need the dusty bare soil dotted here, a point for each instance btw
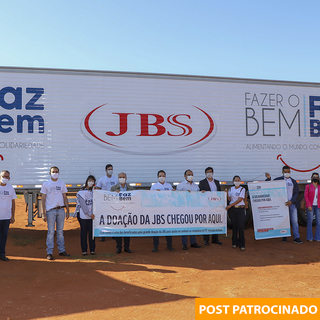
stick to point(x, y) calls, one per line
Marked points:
point(145, 285)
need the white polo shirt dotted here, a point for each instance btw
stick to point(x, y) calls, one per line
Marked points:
point(105, 183)
point(186, 186)
point(7, 194)
point(162, 187)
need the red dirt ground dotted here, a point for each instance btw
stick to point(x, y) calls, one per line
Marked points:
point(145, 285)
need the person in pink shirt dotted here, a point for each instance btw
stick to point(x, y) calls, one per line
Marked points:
point(311, 196)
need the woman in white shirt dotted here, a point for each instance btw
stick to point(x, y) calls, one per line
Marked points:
point(85, 215)
point(236, 207)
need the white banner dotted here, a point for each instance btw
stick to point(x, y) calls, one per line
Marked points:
point(270, 214)
point(153, 213)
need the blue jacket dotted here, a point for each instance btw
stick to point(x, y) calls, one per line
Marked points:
point(295, 192)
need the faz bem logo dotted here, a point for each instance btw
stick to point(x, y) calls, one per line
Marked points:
point(134, 130)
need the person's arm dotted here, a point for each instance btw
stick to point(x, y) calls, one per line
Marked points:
point(306, 197)
point(66, 203)
point(43, 203)
point(295, 194)
point(13, 211)
point(234, 203)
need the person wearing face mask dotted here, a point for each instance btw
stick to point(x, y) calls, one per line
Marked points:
point(162, 185)
point(188, 185)
point(7, 210)
point(120, 187)
point(106, 182)
point(292, 203)
point(312, 198)
point(85, 215)
point(210, 184)
point(236, 208)
point(54, 200)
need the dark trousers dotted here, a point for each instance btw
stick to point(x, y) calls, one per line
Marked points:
point(237, 216)
point(4, 229)
point(156, 241)
point(215, 238)
point(86, 231)
point(126, 241)
point(184, 239)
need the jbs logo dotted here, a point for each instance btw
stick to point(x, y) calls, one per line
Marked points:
point(214, 199)
point(11, 99)
point(148, 132)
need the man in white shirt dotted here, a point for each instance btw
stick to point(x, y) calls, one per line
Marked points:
point(54, 200)
point(120, 187)
point(7, 210)
point(188, 185)
point(107, 182)
point(162, 185)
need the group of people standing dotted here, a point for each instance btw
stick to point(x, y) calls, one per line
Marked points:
point(236, 196)
point(55, 208)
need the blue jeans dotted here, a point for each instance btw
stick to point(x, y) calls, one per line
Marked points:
point(55, 217)
point(293, 211)
point(4, 229)
point(316, 211)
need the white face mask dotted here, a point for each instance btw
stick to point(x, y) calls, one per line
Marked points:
point(55, 175)
point(287, 175)
point(122, 180)
point(190, 178)
point(110, 172)
point(162, 179)
point(209, 175)
point(4, 180)
point(237, 183)
point(90, 184)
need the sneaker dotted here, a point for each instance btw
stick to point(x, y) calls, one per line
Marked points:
point(118, 250)
point(4, 258)
point(242, 248)
point(50, 257)
point(84, 253)
point(195, 245)
point(155, 249)
point(310, 240)
point(206, 243)
point(92, 253)
point(127, 250)
point(170, 248)
point(234, 247)
point(297, 240)
point(184, 247)
point(64, 254)
point(284, 240)
point(102, 239)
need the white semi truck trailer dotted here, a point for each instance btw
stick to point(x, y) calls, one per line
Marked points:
point(81, 120)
